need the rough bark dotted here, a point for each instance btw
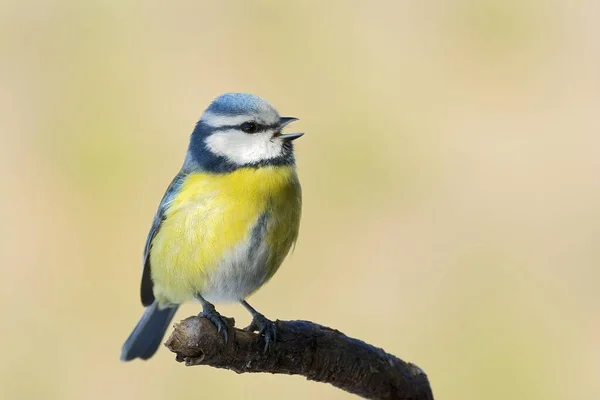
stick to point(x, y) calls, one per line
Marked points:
point(302, 348)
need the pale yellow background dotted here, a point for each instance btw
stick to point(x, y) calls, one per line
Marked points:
point(451, 174)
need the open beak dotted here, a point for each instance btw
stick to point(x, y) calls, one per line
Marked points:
point(283, 122)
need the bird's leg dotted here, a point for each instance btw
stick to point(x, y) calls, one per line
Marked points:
point(209, 312)
point(261, 324)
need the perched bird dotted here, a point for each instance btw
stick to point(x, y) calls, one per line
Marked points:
point(226, 222)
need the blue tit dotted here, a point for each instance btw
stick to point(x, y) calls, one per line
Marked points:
point(226, 222)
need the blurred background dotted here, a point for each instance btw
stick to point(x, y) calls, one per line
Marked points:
point(450, 170)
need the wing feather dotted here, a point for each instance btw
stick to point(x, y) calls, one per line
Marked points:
point(147, 285)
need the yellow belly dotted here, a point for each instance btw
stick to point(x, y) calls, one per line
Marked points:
point(202, 242)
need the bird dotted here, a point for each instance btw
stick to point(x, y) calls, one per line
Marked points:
point(225, 223)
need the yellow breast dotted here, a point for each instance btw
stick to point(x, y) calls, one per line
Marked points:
point(210, 217)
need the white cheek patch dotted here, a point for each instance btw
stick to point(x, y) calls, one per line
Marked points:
point(242, 148)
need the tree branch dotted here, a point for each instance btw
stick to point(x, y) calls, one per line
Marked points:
point(302, 348)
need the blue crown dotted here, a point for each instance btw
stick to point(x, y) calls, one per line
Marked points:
point(239, 104)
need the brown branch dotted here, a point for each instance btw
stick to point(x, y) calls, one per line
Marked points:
point(302, 348)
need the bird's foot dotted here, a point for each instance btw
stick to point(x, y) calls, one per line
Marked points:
point(217, 319)
point(265, 327)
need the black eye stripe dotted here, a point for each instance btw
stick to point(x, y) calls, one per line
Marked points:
point(262, 127)
point(259, 127)
point(249, 127)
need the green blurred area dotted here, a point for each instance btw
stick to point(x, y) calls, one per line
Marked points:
point(449, 167)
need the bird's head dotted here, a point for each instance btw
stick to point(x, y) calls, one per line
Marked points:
point(239, 130)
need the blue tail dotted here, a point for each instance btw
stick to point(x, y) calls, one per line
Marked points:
point(148, 333)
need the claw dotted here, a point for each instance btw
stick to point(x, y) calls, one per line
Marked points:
point(264, 327)
point(219, 322)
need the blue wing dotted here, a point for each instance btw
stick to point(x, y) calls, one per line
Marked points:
point(146, 289)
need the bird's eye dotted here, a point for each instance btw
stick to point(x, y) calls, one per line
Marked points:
point(249, 127)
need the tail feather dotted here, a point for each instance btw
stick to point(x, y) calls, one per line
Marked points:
point(148, 333)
